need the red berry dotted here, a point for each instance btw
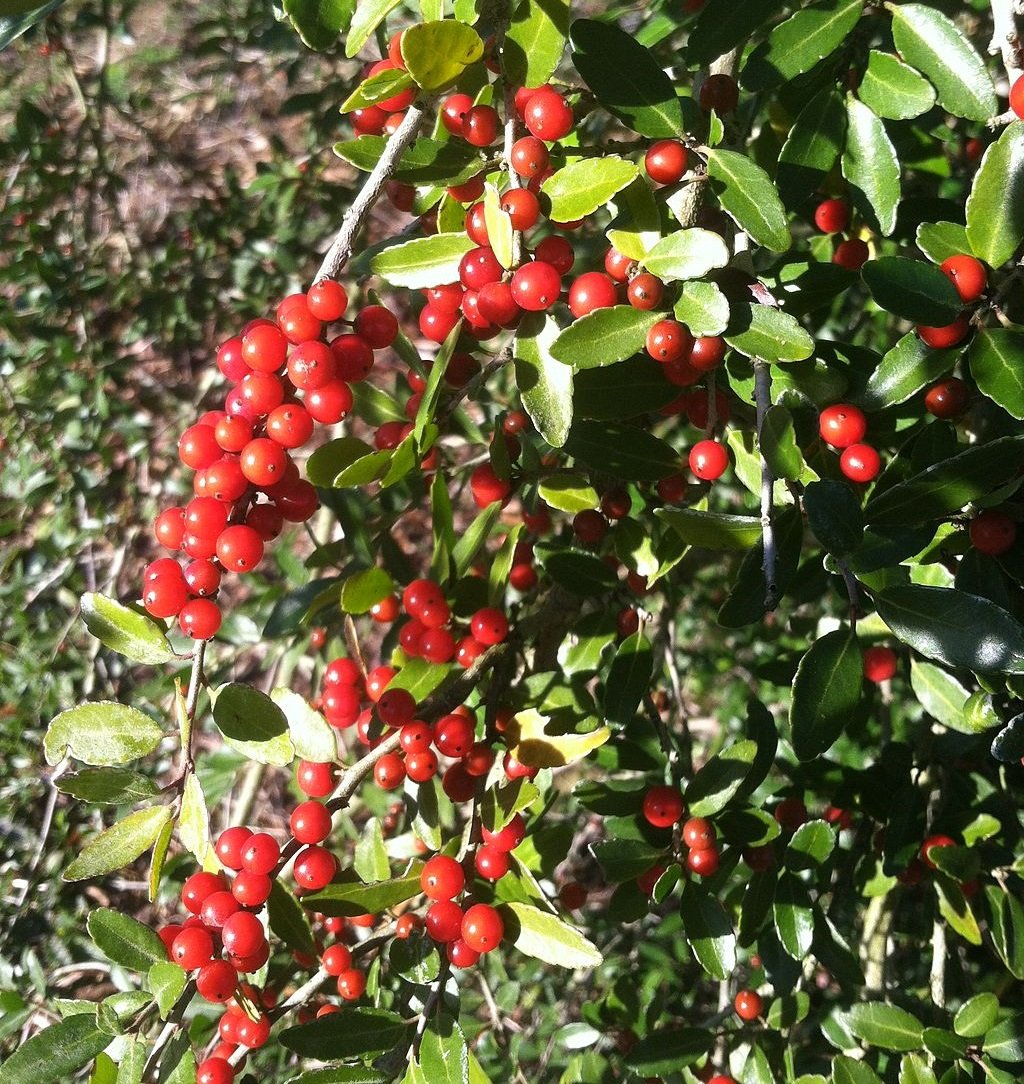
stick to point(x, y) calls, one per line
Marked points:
point(1017, 96)
point(851, 254)
point(529, 157)
point(192, 948)
point(663, 806)
point(251, 889)
point(879, 664)
point(842, 425)
point(480, 125)
point(934, 841)
point(591, 291)
point(708, 460)
point(406, 925)
point(556, 251)
point(992, 532)
point(314, 868)
point(336, 959)
point(547, 115)
point(454, 110)
point(420, 767)
point(703, 861)
point(198, 447)
point(860, 463)
point(352, 984)
point(665, 161)
point(941, 338)
point(460, 955)
point(260, 853)
point(216, 981)
point(669, 341)
point(215, 1070)
point(489, 626)
point(218, 907)
point(253, 1033)
point(699, 833)
point(791, 813)
point(199, 618)
point(572, 896)
point(522, 206)
point(265, 348)
point(166, 596)
point(947, 398)
point(487, 487)
point(353, 357)
point(169, 527)
point(442, 878)
point(230, 844)
point(491, 863)
point(589, 526)
point(720, 93)
point(968, 276)
point(478, 267)
point(310, 822)
point(748, 1005)
point(617, 267)
point(707, 353)
point(645, 292)
point(396, 707)
point(509, 837)
point(377, 326)
point(389, 772)
point(482, 928)
point(832, 216)
point(316, 779)
point(444, 921)
point(239, 548)
point(536, 286)
point(327, 300)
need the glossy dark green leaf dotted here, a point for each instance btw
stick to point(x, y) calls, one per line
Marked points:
point(812, 146)
point(124, 630)
point(940, 694)
point(568, 493)
point(623, 451)
point(931, 42)
point(708, 931)
point(721, 777)
point(345, 1035)
point(288, 919)
point(996, 356)
point(547, 937)
point(800, 42)
point(949, 485)
point(545, 384)
point(794, 916)
point(834, 515)
point(953, 627)
point(624, 859)
point(940, 240)
point(370, 14)
point(1006, 914)
point(893, 89)
point(108, 786)
point(702, 307)
point(759, 331)
point(330, 459)
point(686, 254)
point(253, 724)
point(1008, 744)
point(632, 387)
point(712, 530)
point(362, 590)
point(826, 693)
point(629, 678)
point(904, 370)
point(779, 445)
point(423, 261)
point(626, 79)
point(724, 24)
point(535, 41)
point(886, 1026)
point(352, 897)
point(55, 1054)
point(747, 193)
point(811, 845)
point(848, 1071)
point(787, 1011)
point(320, 23)
point(437, 51)
point(665, 1051)
point(995, 206)
point(125, 940)
point(425, 162)
point(577, 571)
point(871, 166)
point(1005, 1042)
point(913, 289)
point(914, 1069)
point(603, 337)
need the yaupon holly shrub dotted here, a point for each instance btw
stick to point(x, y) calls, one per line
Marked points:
point(664, 588)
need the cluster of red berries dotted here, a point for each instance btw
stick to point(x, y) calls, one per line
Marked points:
point(285, 378)
point(843, 426)
point(833, 216)
point(970, 278)
point(663, 807)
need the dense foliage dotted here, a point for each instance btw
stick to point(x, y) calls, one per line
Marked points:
point(639, 696)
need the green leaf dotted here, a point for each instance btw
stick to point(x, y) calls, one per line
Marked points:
point(546, 937)
point(474, 538)
point(357, 1074)
point(500, 804)
point(426, 162)
point(626, 79)
point(378, 88)
point(834, 515)
point(535, 41)
point(624, 859)
point(893, 90)
point(940, 694)
point(17, 16)
point(545, 384)
point(55, 1054)
point(915, 1070)
point(746, 192)
point(913, 289)
point(355, 898)
point(719, 779)
point(288, 919)
point(995, 359)
point(847, 1071)
point(826, 692)
point(125, 940)
point(580, 188)
point(350, 1034)
point(947, 486)
point(811, 844)
point(167, 983)
point(708, 931)
point(420, 678)
point(759, 331)
point(884, 1025)
point(329, 460)
point(961, 630)
point(371, 857)
point(568, 493)
point(103, 733)
point(995, 206)
point(1007, 928)
point(320, 23)
point(904, 370)
point(712, 530)
point(124, 630)
point(443, 1055)
point(724, 24)
point(423, 261)
point(1005, 1042)
point(812, 147)
point(798, 44)
point(623, 451)
point(194, 819)
point(793, 916)
point(702, 307)
point(787, 1011)
point(119, 845)
point(498, 224)
point(577, 571)
point(363, 590)
point(312, 736)
point(629, 677)
point(253, 724)
point(934, 45)
point(108, 786)
point(625, 390)
point(437, 52)
point(976, 1015)
point(686, 254)
point(940, 240)
point(603, 337)
point(368, 16)
point(871, 166)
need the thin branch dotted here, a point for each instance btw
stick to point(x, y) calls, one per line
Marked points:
point(1006, 38)
point(763, 400)
point(937, 978)
point(511, 119)
point(169, 1029)
point(341, 249)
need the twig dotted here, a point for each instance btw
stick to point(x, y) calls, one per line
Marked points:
point(169, 1029)
point(937, 979)
point(341, 248)
point(762, 399)
point(436, 990)
point(1006, 38)
point(513, 177)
